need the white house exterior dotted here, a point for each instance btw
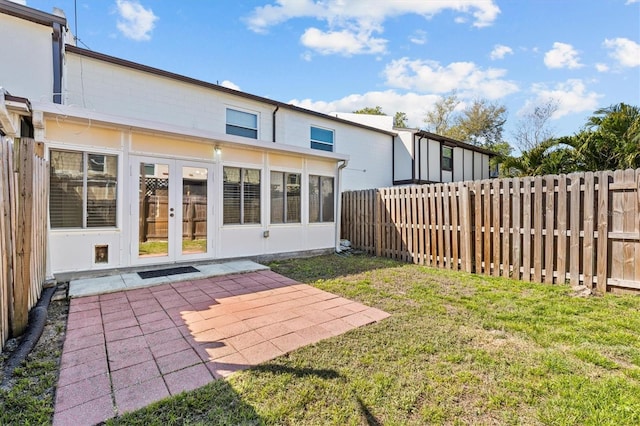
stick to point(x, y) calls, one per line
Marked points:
point(420, 157)
point(150, 167)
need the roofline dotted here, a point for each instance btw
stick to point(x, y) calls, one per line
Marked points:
point(30, 14)
point(162, 73)
point(206, 136)
point(454, 142)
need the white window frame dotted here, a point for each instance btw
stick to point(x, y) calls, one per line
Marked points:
point(85, 158)
point(320, 220)
point(321, 142)
point(222, 192)
point(242, 111)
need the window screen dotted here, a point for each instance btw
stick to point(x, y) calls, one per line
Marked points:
point(447, 158)
point(83, 190)
point(285, 197)
point(321, 139)
point(321, 199)
point(241, 123)
point(241, 196)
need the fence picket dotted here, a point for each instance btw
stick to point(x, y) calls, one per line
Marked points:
point(549, 229)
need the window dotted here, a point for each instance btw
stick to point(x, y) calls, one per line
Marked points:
point(241, 123)
point(285, 197)
point(320, 199)
point(83, 190)
point(447, 158)
point(241, 196)
point(321, 139)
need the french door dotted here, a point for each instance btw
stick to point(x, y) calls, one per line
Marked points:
point(171, 210)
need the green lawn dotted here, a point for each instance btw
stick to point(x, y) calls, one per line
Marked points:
point(458, 349)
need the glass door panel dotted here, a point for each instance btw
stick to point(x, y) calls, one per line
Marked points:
point(194, 210)
point(154, 210)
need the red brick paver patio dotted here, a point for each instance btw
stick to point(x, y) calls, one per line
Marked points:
point(128, 349)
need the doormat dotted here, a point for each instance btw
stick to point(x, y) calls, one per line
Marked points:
point(166, 272)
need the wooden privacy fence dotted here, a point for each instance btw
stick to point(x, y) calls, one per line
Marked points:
point(24, 177)
point(581, 228)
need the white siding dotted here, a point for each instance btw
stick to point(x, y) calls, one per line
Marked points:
point(403, 156)
point(458, 163)
point(477, 166)
point(468, 165)
point(27, 61)
point(433, 161)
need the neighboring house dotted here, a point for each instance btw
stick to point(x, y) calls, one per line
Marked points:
point(421, 157)
point(151, 167)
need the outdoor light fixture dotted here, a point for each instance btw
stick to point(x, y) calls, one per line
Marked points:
point(217, 153)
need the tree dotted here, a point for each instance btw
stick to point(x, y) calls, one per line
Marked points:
point(481, 123)
point(610, 139)
point(546, 158)
point(533, 128)
point(439, 119)
point(400, 119)
point(377, 110)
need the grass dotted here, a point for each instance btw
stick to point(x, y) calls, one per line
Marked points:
point(458, 349)
point(162, 247)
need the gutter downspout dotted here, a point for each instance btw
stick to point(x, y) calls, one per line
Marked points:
point(274, 122)
point(339, 204)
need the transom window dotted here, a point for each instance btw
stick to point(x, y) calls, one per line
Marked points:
point(321, 139)
point(447, 158)
point(321, 199)
point(82, 189)
point(285, 197)
point(242, 123)
point(241, 196)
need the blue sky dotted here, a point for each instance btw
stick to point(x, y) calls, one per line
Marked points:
point(403, 55)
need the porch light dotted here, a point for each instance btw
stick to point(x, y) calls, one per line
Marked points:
point(217, 153)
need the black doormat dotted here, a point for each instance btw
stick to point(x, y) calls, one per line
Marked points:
point(166, 272)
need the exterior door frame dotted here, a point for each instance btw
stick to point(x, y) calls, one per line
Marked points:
point(175, 222)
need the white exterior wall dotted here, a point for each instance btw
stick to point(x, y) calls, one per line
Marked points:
point(468, 165)
point(113, 89)
point(27, 68)
point(458, 164)
point(403, 156)
point(72, 250)
point(433, 165)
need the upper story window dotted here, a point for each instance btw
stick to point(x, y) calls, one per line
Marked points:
point(82, 189)
point(447, 158)
point(322, 139)
point(242, 123)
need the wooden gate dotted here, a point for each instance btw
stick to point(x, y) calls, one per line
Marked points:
point(623, 229)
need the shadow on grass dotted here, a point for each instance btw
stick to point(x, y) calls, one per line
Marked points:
point(298, 372)
point(309, 270)
point(369, 417)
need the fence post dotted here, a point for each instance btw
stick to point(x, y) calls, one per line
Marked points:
point(603, 229)
point(466, 230)
point(22, 280)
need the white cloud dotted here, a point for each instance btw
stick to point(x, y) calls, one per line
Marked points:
point(135, 21)
point(632, 1)
point(412, 104)
point(418, 37)
point(342, 42)
point(625, 51)
point(229, 85)
point(571, 96)
point(22, 2)
point(602, 67)
point(499, 51)
point(358, 20)
point(562, 55)
point(466, 78)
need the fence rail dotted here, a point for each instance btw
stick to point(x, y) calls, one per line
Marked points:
point(24, 177)
point(581, 228)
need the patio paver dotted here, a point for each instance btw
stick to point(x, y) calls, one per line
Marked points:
point(127, 349)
